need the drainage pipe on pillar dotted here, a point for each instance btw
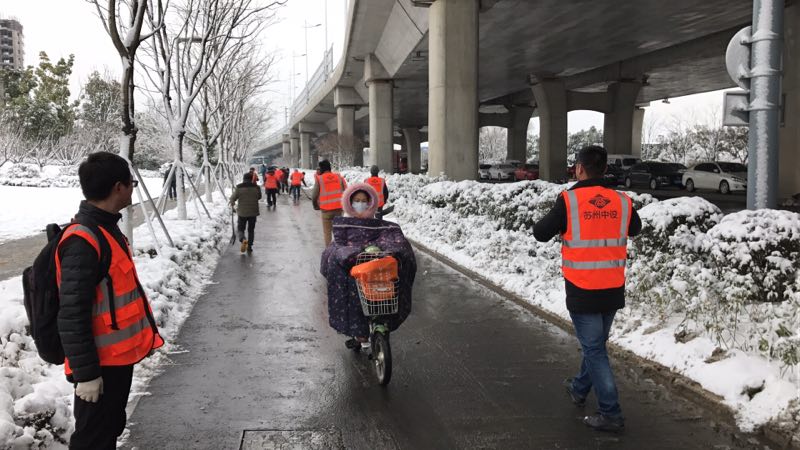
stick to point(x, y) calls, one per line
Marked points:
point(765, 91)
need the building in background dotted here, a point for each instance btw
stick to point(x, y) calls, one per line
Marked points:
point(12, 44)
point(12, 49)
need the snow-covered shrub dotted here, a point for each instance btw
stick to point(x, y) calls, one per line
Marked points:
point(23, 170)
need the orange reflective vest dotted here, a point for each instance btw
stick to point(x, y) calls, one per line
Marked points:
point(297, 179)
point(331, 187)
point(271, 182)
point(279, 174)
point(130, 335)
point(377, 183)
point(594, 248)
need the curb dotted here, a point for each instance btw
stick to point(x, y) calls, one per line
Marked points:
point(683, 386)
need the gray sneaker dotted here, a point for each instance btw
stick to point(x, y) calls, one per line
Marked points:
point(576, 399)
point(604, 423)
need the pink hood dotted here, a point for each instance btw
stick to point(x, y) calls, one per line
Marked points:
point(373, 200)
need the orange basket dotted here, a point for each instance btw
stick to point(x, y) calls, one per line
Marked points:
point(377, 280)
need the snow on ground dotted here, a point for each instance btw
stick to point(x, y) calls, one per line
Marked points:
point(715, 298)
point(35, 398)
point(30, 199)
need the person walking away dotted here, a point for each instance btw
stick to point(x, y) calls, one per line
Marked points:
point(262, 170)
point(285, 182)
point(327, 196)
point(271, 186)
point(103, 336)
point(253, 175)
point(297, 179)
point(279, 176)
point(247, 194)
point(594, 223)
point(379, 184)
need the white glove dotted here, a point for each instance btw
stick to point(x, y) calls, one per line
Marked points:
point(90, 391)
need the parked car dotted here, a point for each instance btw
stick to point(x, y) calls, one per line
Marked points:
point(483, 171)
point(614, 176)
point(624, 162)
point(655, 175)
point(529, 171)
point(503, 171)
point(725, 177)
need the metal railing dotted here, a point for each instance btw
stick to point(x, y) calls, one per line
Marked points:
point(316, 81)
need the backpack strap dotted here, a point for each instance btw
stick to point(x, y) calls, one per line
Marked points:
point(96, 239)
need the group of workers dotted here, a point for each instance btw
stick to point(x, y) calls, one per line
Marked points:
point(594, 222)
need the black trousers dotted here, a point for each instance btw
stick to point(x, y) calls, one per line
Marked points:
point(250, 222)
point(97, 425)
point(272, 197)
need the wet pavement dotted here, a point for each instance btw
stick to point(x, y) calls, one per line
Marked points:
point(260, 368)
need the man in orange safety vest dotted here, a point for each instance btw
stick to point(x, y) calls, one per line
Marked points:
point(594, 223)
point(327, 196)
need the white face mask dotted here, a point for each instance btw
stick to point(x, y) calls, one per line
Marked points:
point(360, 207)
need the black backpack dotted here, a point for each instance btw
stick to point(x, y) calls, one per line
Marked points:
point(41, 292)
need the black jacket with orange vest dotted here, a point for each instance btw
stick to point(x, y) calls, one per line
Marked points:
point(79, 270)
point(583, 300)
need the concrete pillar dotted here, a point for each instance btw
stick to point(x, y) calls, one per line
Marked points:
point(453, 89)
point(287, 150)
point(636, 132)
point(618, 125)
point(305, 150)
point(345, 123)
point(551, 103)
point(294, 145)
point(789, 156)
point(412, 138)
point(517, 133)
point(381, 125)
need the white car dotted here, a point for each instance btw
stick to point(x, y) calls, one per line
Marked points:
point(504, 171)
point(483, 171)
point(725, 177)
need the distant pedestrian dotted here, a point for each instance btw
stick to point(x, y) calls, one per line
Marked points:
point(279, 174)
point(285, 181)
point(262, 169)
point(271, 186)
point(172, 192)
point(103, 336)
point(253, 176)
point(379, 184)
point(297, 179)
point(594, 223)
point(327, 196)
point(247, 194)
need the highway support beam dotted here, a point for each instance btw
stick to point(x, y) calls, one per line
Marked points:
point(381, 114)
point(517, 132)
point(453, 89)
point(286, 149)
point(346, 100)
point(412, 141)
point(551, 103)
point(305, 150)
point(294, 145)
point(620, 123)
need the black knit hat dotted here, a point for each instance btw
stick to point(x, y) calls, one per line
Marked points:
point(324, 166)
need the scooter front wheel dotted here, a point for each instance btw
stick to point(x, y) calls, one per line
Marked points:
point(382, 357)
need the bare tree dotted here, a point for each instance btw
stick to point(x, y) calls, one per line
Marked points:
point(124, 22)
point(12, 143)
point(492, 144)
point(339, 149)
point(186, 51)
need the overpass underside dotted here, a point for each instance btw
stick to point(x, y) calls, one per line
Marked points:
point(447, 67)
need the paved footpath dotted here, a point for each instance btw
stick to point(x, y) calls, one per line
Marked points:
point(262, 369)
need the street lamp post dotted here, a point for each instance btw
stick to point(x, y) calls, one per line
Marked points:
point(306, 26)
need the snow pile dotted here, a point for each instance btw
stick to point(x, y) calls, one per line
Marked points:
point(716, 298)
point(30, 175)
point(35, 398)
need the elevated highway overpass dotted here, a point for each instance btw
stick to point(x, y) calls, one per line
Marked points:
point(438, 70)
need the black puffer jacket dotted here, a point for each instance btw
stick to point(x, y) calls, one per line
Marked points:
point(80, 269)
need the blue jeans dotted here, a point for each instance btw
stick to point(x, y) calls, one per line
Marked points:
point(592, 332)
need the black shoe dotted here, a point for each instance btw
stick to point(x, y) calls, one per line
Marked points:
point(352, 344)
point(576, 399)
point(249, 249)
point(604, 423)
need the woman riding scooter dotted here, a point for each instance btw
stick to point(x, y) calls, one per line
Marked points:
point(352, 234)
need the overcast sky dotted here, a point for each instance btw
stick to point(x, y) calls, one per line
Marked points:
point(63, 27)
